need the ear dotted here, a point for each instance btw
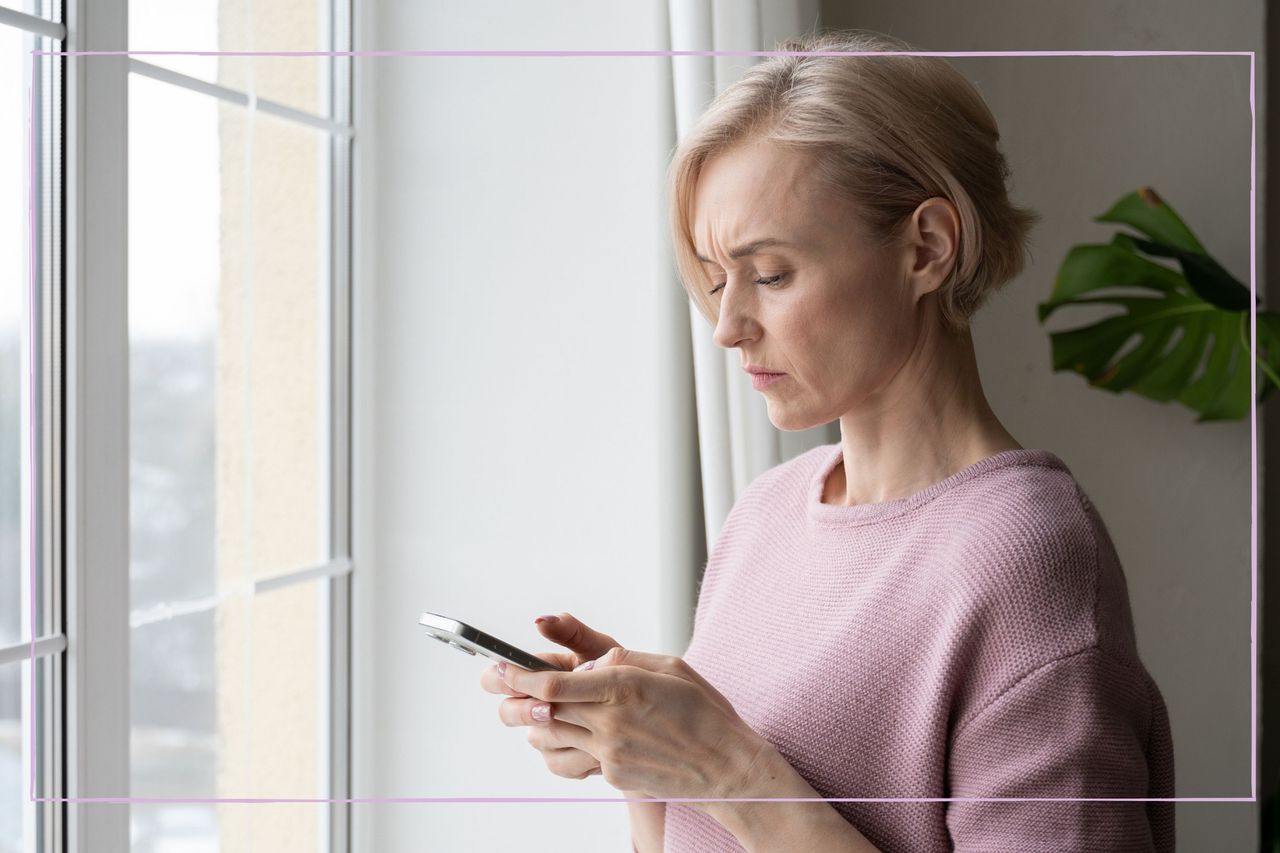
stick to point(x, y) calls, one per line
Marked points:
point(934, 239)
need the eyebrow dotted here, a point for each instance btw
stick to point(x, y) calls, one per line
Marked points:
point(752, 247)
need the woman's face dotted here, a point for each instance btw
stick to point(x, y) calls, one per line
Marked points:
point(840, 317)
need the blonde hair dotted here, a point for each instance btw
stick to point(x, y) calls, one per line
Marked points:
point(888, 132)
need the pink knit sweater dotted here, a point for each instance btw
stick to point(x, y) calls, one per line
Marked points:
point(971, 640)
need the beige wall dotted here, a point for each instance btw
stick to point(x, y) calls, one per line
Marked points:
point(268, 436)
point(1080, 132)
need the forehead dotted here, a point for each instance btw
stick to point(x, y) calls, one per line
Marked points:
point(757, 190)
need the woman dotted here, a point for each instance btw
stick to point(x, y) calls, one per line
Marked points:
point(924, 610)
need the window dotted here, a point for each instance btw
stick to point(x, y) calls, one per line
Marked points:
point(191, 424)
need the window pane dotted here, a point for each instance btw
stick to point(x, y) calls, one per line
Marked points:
point(15, 249)
point(165, 827)
point(18, 829)
point(270, 712)
point(228, 345)
point(229, 480)
point(241, 25)
point(173, 688)
point(175, 271)
point(273, 436)
point(13, 773)
point(173, 735)
point(229, 703)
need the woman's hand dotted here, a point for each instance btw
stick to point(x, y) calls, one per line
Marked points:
point(653, 724)
point(553, 738)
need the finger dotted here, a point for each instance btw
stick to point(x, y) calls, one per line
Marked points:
point(491, 677)
point(522, 711)
point(518, 711)
point(560, 735)
point(491, 682)
point(566, 630)
point(585, 715)
point(582, 686)
point(564, 660)
point(571, 763)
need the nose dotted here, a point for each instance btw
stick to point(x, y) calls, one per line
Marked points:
point(733, 322)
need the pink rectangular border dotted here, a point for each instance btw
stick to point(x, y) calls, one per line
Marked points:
point(1253, 421)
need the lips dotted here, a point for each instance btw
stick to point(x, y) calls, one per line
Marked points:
point(760, 381)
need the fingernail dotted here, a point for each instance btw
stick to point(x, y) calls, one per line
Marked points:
point(541, 712)
point(547, 619)
point(588, 665)
point(502, 669)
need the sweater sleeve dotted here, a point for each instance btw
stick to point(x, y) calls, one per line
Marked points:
point(1079, 726)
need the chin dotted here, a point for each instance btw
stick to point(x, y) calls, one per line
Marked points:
point(792, 423)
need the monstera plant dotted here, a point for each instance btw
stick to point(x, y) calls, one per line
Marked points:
point(1181, 318)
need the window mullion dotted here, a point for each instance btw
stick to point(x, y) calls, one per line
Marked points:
point(340, 399)
point(40, 648)
point(47, 420)
point(32, 23)
point(96, 428)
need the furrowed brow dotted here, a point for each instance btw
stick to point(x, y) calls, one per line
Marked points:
point(753, 247)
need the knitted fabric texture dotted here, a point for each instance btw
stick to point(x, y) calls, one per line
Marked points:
point(971, 640)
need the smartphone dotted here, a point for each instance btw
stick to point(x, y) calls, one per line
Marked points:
point(471, 640)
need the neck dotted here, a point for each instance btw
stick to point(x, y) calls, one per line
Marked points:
point(929, 422)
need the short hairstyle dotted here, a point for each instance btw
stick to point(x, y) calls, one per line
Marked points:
point(888, 132)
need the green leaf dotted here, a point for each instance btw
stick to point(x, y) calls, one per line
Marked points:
point(1207, 277)
point(1159, 367)
point(1222, 392)
point(1180, 337)
point(1144, 210)
point(1093, 267)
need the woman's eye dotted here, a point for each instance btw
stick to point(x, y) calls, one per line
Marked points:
point(767, 282)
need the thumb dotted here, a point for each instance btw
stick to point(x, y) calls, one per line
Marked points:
point(566, 630)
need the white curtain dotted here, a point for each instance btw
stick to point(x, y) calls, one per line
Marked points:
point(735, 439)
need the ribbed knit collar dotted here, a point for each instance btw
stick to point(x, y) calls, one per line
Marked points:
point(846, 516)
